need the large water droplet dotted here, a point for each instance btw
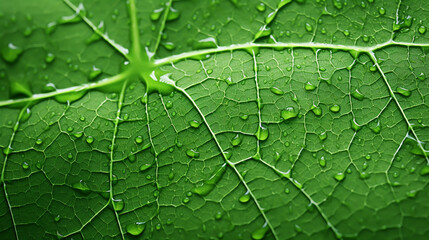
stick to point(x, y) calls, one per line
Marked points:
point(262, 133)
point(136, 228)
point(11, 53)
point(236, 140)
point(289, 113)
point(118, 204)
point(403, 91)
point(209, 185)
point(192, 153)
point(260, 232)
point(245, 198)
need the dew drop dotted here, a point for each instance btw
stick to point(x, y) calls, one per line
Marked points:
point(357, 95)
point(139, 139)
point(194, 123)
point(322, 161)
point(192, 153)
point(118, 204)
point(89, 139)
point(308, 27)
point(11, 53)
point(260, 232)
point(39, 141)
point(403, 91)
point(354, 125)
point(382, 11)
point(156, 14)
point(173, 14)
point(145, 166)
point(260, 7)
point(334, 108)
point(289, 112)
point(94, 73)
point(57, 218)
point(425, 170)
point(276, 91)
point(339, 176)
point(50, 57)
point(309, 86)
point(316, 110)
point(245, 198)
point(169, 46)
point(25, 165)
point(82, 187)
point(262, 133)
point(206, 43)
point(136, 228)
point(236, 140)
point(422, 29)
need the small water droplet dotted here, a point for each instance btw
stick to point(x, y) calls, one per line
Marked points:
point(382, 11)
point(322, 161)
point(145, 166)
point(94, 73)
point(422, 29)
point(236, 140)
point(316, 110)
point(308, 27)
point(82, 187)
point(276, 91)
point(39, 141)
point(260, 233)
point(156, 14)
point(245, 198)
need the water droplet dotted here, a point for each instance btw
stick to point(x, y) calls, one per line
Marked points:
point(425, 170)
point(334, 108)
point(206, 43)
point(308, 27)
point(245, 198)
point(69, 155)
point(94, 73)
point(50, 57)
point(194, 123)
point(355, 126)
point(192, 153)
point(218, 215)
point(173, 14)
point(11, 53)
point(276, 91)
point(357, 95)
point(377, 128)
point(262, 133)
point(338, 4)
point(316, 110)
point(295, 182)
point(89, 139)
point(382, 11)
point(309, 86)
point(169, 45)
point(82, 187)
point(322, 161)
point(298, 228)
point(57, 218)
point(373, 68)
point(236, 140)
point(136, 228)
point(209, 185)
point(25, 165)
point(339, 176)
point(139, 139)
point(422, 29)
point(263, 32)
point(185, 200)
point(346, 32)
point(403, 91)
point(323, 136)
point(132, 158)
point(118, 204)
point(287, 191)
point(270, 17)
point(156, 14)
point(260, 7)
point(145, 166)
point(289, 113)
point(276, 156)
point(244, 117)
point(39, 141)
point(260, 232)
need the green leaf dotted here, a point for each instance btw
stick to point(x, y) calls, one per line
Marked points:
point(274, 119)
